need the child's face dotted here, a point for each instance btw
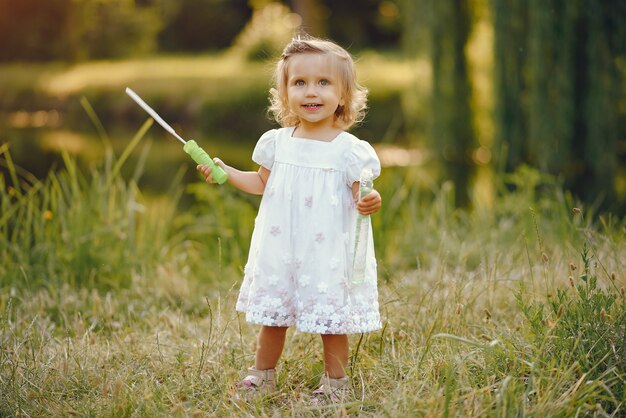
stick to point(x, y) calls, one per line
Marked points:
point(313, 89)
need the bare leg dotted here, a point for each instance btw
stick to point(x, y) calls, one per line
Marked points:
point(270, 346)
point(335, 355)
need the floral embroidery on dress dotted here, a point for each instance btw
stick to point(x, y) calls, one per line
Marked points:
point(284, 294)
point(333, 263)
point(333, 299)
point(272, 280)
point(275, 303)
point(297, 272)
point(322, 287)
point(304, 280)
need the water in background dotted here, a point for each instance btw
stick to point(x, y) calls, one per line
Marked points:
point(36, 141)
point(38, 150)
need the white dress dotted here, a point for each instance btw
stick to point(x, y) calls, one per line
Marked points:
point(299, 268)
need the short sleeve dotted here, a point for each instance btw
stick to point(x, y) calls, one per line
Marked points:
point(362, 155)
point(265, 149)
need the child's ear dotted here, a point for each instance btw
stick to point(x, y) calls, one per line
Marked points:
point(342, 101)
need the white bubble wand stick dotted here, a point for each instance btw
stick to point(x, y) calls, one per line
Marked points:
point(359, 262)
point(199, 155)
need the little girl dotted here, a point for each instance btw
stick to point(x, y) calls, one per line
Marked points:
point(299, 270)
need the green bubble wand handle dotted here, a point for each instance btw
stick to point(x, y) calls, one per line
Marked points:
point(199, 155)
point(359, 262)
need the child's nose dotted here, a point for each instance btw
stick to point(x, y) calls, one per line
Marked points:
point(311, 90)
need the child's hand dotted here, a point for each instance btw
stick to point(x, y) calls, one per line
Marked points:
point(206, 170)
point(370, 204)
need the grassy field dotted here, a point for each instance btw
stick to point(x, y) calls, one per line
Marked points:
point(115, 304)
point(202, 96)
point(182, 72)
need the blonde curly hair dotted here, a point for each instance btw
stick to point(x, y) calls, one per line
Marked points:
point(354, 95)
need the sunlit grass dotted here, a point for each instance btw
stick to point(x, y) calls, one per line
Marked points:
point(181, 71)
point(93, 322)
point(217, 73)
point(454, 342)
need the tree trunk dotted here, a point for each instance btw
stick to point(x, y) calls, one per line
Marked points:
point(313, 14)
point(453, 133)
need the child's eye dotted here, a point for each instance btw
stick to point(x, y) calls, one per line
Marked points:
point(299, 83)
point(324, 82)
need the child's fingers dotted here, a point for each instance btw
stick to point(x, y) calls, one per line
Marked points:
point(372, 198)
point(206, 172)
point(206, 169)
point(367, 205)
point(370, 204)
point(366, 210)
point(219, 162)
point(369, 197)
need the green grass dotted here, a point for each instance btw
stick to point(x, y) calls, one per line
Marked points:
point(115, 304)
point(205, 97)
point(216, 75)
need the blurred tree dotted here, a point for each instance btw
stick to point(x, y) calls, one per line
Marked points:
point(415, 27)
point(42, 30)
point(453, 136)
point(602, 101)
point(510, 23)
point(35, 30)
point(560, 91)
point(197, 25)
point(314, 16)
point(203, 25)
point(551, 41)
point(371, 24)
point(118, 28)
point(266, 34)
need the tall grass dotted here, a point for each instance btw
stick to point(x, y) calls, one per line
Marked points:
point(112, 304)
point(83, 230)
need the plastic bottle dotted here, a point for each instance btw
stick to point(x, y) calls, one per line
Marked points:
point(366, 185)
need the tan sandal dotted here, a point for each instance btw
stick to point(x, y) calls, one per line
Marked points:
point(257, 383)
point(334, 390)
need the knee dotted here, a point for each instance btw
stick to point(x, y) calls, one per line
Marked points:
point(334, 339)
point(274, 331)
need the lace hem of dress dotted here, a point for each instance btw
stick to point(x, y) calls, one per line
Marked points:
point(344, 321)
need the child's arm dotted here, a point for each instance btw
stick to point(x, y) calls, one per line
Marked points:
point(247, 181)
point(369, 204)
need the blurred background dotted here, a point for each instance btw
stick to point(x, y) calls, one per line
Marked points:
point(464, 91)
